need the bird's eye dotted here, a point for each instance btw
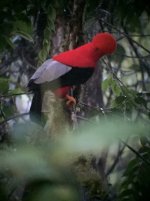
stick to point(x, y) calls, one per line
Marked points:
point(97, 49)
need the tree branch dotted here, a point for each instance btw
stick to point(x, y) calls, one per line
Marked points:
point(126, 35)
point(13, 117)
point(136, 153)
point(120, 152)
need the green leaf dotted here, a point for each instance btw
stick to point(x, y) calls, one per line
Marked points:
point(132, 168)
point(4, 85)
point(115, 88)
point(51, 13)
point(47, 34)
point(42, 55)
point(23, 29)
point(8, 111)
point(106, 83)
point(144, 141)
point(141, 101)
point(127, 195)
point(120, 99)
point(24, 35)
point(5, 42)
point(9, 42)
point(119, 55)
point(52, 26)
point(15, 91)
point(110, 82)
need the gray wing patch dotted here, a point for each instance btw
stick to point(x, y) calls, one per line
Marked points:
point(49, 71)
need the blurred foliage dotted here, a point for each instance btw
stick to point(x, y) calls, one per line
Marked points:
point(33, 165)
point(48, 31)
point(4, 85)
point(136, 178)
point(51, 169)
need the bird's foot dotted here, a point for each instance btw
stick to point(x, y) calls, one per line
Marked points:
point(71, 101)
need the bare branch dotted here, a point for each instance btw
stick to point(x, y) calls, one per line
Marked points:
point(126, 35)
point(136, 153)
point(120, 152)
point(129, 56)
point(14, 117)
point(17, 94)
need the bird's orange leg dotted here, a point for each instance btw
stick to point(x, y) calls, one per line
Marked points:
point(71, 101)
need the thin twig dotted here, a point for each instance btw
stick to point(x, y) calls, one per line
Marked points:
point(125, 34)
point(142, 64)
point(14, 117)
point(110, 67)
point(120, 152)
point(90, 106)
point(129, 56)
point(140, 35)
point(136, 153)
point(84, 119)
point(17, 94)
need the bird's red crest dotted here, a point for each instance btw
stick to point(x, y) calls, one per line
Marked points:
point(105, 42)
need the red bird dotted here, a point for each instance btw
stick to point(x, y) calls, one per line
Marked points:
point(67, 69)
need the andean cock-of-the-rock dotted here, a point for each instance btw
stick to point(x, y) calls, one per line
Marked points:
point(69, 68)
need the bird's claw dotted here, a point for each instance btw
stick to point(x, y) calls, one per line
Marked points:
point(71, 101)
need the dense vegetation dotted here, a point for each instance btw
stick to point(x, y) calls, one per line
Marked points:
point(99, 149)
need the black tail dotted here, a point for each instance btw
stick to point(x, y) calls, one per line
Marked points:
point(36, 107)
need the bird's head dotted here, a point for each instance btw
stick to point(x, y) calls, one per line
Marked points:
point(104, 43)
point(87, 55)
